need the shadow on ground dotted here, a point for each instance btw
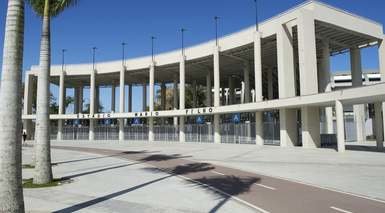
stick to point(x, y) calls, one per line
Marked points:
point(225, 187)
point(188, 168)
point(120, 154)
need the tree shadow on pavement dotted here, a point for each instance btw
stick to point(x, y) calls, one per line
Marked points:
point(225, 187)
point(107, 156)
point(95, 201)
point(188, 168)
point(183, 169)
point(100, 170)
point(161, 157)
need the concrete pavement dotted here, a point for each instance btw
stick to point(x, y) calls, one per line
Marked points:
point(108, 184)
point(264, 193)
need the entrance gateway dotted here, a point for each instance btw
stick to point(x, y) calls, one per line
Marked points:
point(276, 79)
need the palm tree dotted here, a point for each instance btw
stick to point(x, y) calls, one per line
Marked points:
point(11, 191)
point(46, 9)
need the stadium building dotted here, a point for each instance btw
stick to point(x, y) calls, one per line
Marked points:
point(269, 84)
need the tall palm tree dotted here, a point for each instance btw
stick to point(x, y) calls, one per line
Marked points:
point(46, 9)
point(11, 191)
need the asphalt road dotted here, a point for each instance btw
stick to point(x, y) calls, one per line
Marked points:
point(262, 193)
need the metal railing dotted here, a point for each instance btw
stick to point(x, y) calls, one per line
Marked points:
point(202, 133)
point(136, 133)
point(167, 133)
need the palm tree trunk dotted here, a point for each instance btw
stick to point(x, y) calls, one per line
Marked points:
point(11, 191)
point(43, 170)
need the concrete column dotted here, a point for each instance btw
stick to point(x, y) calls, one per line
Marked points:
point(381, 56)
point(246, 80)
point(91, 135)
point(258, 87)
point(130, 98)
point(286, 85)
point(217, 82)
point(231, 91)
point(144, 97)
point(175, 98)
point(379, 125)
point(27, 108)
point(270, 84)
point(242, 92)
point(113, 98)
point(208, 90)
point(121, 102)
point(182, 85)
point(340, 127)
point(325, 85)
point(359, 110)
point(308, 78)
point(151, 101)
point(62, 97)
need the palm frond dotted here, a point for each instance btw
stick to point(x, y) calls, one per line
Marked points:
point(56, 6)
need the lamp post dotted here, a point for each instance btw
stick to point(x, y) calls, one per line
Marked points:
point(93, 57)
point(123, 54)
point(256, 15)
point(62, 59)
point(152, 47)
point(216, 29)
point(182, 30)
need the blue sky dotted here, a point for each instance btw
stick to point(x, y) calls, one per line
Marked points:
point(105, 24)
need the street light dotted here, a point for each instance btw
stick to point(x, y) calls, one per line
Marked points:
point(216, 29)
point(182, 30)
point(123, 54)
point(256, 15)
point(93, 57)
point(152, 47)
point(62, 59)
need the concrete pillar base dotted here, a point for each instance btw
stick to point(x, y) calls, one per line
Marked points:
point(91, 135)
point(182, 137)
point(151, 129)
point(121, 129)
point(310, 127)
point(359, 119)
point(288, 127)
point(259, 129)
point(60, 130)
point(340, 127)
point(217, 129)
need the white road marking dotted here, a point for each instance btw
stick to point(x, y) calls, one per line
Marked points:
point(264, 186)
point(340, 210)
point(218, 173)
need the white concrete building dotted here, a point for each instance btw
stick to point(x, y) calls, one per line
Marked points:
point(283, 68)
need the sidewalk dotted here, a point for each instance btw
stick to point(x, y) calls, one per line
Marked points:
point(109, 184)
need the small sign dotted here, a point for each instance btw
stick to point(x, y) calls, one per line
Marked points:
point(200, 120)
point(136, 121)
point(236, 118)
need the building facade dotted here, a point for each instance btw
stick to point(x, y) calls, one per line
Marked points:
point(265, 84)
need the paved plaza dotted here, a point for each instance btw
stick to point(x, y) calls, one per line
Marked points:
point(111, 176)
point(109, 184)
